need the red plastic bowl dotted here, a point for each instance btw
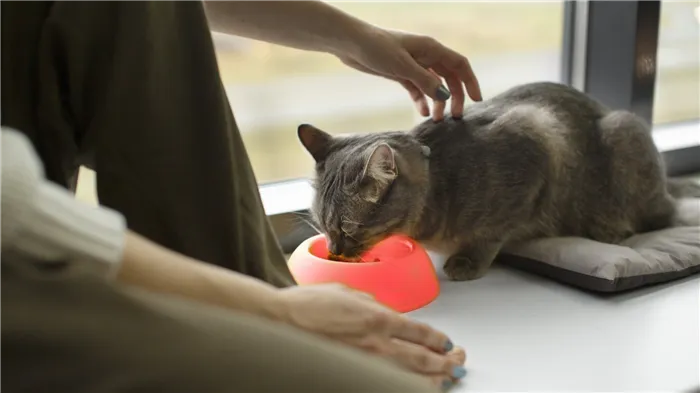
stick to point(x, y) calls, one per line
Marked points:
point(403, 279)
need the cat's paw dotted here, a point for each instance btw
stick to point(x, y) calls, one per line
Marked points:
point(461, 268)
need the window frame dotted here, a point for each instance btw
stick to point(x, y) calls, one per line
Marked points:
point(604, 45)
point(620, 39)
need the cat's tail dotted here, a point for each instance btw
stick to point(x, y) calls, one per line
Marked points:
point(683, 188)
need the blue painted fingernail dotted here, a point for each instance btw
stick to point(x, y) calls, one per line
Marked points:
point(458, 372)
point(446, 385)
point(442, 93)
point(449, 346)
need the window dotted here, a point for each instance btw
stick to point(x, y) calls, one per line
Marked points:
point(597, 46)
point(677, 97)
point(273, 89)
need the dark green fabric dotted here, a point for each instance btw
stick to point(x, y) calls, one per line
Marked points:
point(65, 332)
point(132, 90)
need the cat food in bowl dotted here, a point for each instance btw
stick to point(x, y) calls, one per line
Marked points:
point(397, 271)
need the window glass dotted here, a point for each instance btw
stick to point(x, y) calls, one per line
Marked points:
point(677, 94)
point(273, 89)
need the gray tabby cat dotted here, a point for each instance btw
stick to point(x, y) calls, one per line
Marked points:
point(539, 160)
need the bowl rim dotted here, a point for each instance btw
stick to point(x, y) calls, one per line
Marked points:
point(306, 248)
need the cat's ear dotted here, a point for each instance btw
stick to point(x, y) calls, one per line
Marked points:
point(381, 164)
point(315, 141)
point(380, 170)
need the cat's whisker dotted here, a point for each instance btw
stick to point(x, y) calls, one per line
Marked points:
point(350, 236)
point(346, 220)
point(308, 222)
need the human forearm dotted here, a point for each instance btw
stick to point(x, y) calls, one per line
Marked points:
point(307, 25)
point(149, 266)
point(47, 223)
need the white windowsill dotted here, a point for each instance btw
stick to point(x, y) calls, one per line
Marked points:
point(677, 136)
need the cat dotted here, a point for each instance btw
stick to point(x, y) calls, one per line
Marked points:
point(539, 160)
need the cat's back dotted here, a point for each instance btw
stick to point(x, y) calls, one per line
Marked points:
point(557, 97)
point(565, 105)
point(572, 108)
point(520, 124)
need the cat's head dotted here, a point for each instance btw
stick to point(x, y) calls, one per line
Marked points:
point(367, 186)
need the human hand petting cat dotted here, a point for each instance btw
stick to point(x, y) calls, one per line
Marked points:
point(419, 63)
point(354, 318)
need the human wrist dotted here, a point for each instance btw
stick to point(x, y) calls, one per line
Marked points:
point(276, 307)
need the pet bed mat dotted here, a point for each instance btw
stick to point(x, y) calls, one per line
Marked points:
point(644, 259)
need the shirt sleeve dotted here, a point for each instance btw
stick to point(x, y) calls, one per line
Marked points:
point(44, 221)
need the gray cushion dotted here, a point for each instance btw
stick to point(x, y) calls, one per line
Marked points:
point(644, 259)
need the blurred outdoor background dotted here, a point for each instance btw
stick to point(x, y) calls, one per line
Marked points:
point(273, 89)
